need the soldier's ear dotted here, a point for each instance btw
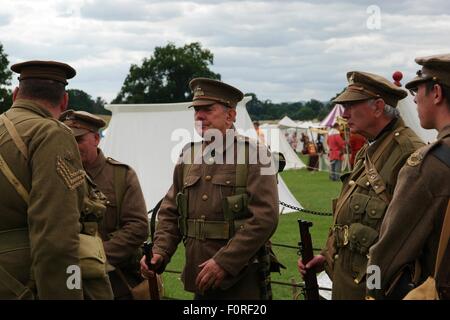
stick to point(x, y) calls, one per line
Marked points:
point(231, 114)
point(438, 94)
point(379, 107)
point(15, 92)
point(64, 102)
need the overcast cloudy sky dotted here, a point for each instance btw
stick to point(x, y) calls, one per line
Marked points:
point(280, 50)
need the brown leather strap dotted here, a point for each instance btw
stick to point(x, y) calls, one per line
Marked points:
point(13, 180)
point(15, 136)
point(443, 241)
point(375, 158)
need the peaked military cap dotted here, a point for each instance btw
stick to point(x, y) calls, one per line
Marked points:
point(208, 91)
point(81, 122)
point(364, 86)
point(436, 68)
point(48, 70)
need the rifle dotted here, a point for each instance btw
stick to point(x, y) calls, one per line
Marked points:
point(152, 281)
point(311, 289)
point(147, 249)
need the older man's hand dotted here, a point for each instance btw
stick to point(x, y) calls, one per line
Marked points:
point(211, 275)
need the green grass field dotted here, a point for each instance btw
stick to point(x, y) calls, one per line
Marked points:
point(314, 191)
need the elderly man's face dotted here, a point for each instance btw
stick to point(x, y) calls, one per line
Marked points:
point(361, 117)
point(87, 144)
point(214, 116)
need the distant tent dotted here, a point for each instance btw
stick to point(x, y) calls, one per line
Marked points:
point(286, 122)
point(149, 137)
point(276, 140)
point(408, 111)
point(332, 117)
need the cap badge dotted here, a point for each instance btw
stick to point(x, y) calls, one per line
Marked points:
point(198, 92)
point(351, 80)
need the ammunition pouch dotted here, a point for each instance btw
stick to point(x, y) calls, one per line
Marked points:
point(361, 238)
point(235, 208)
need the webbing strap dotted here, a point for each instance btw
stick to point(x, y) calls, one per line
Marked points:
point(120, 176)
point(242, 173)
point(8, 281)
point(13, 180)
point(444, 239)
point(15, 136)
point(375, 158)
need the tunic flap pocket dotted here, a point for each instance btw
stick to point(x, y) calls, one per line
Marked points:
point(190, 181)
point(358, 202)
point(224, 180)
point(376, 208)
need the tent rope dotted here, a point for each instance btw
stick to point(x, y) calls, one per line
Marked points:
point(317, 213)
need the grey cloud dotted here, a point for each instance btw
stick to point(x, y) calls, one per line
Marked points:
point(133, 10)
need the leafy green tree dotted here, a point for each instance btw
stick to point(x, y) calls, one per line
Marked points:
point(5, 80)
point(81, 101)
point(164, 77)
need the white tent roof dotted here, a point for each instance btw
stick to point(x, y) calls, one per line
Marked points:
point(408, 111)
point(276, 140)
point(287, 122)
point(149, 137)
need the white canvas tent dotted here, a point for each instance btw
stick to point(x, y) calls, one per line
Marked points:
point(408, 111)
point(286, 122)
point(149, 137)
point(276, 140)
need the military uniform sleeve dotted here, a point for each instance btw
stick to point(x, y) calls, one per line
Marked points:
point(262, 193)
point(134, 223)
point(167, 235)
point(409, 221)
point(56, 197)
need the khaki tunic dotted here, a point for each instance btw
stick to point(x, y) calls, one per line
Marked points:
point(413, 222)
point(206, 185)
point(361, 207)
point(52, 216)
point(121, 250)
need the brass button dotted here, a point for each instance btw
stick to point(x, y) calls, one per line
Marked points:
point(204, 197)
point(208, 178)
point(367, 183)
point(375, 187)
point(211, 160)
point(363, 239)
point(373, 212)
point(236, 205)
point(396, 134)
point(356, 207)
point(351, 182)
point(336, 256)
point(185, 183)
point(228, 182)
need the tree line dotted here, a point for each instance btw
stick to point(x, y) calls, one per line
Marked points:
point(164, 78)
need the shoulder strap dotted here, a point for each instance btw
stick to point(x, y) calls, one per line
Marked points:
point(120, 177)
point(442, 152)
point(15, 136)
point(4, 166)
point(443, 241)
point(13, 180)
point(242, 173)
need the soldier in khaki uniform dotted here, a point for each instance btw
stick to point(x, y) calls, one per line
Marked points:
point(43, 194)
point(125, 225)
point(412, 227)
point(369, 101)
point(223, 210)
